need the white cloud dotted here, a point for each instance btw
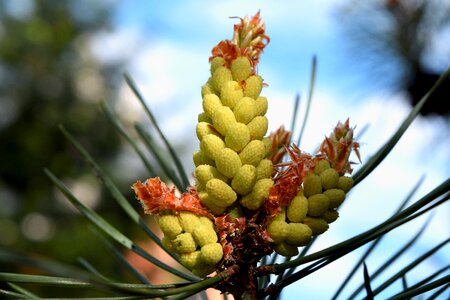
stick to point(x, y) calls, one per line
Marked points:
point(168, 69)
point(111, 46)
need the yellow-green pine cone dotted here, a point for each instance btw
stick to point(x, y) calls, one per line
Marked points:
point(203, 270)
point(297, 209)
point(286, 250)
point(278, 230)
point(245, 110)
point(167, 242)
point(206, 222)
point(235, 211)
point(215, 63)
point(321, 166)
point(298, 234)
point(241, 68)
point(231, 93)
point(201, 159)
point(223, 118)
point(258, 127)
point(329, 178)
point(237, 137)
point(221, 76)
point(203, 129)
point(317, 225)
point(220, 193)
point(170, 225)
point(253, 153)
point(204, 173)
point(207, 89)
point(318, 204)
point(211, 254)
point(244, 180)
point(184, 243)
point(281, 216)
point(211, 103)
point(264, 169)
point(189, 221)
point(211, 145)
point(330, 216)
point(336, 197)
point(268, 146)
point(261, 105)
point(345, 183)
point(200, 186)
point(210, 204)
point(312, 185)
point(190, 260)
point(258, 195)
point(253, 86)
point(228, 162)
point(203, 117)
point(204, 235)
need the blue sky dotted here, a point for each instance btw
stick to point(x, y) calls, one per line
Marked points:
point(169, 43)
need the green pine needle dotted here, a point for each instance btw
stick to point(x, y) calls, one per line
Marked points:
point(152, 146)
point(393, 257)
point(377, 241)
point(409, 267)
point(113, 118)
point(173, 154)
point(407, 294)
point(367, 281)
point(111, 231)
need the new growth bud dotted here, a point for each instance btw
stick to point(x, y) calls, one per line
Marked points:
point(250, 189)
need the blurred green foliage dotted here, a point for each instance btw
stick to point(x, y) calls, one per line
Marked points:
point(48, 75)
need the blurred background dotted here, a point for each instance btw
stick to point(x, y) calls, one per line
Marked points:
point(58, 59)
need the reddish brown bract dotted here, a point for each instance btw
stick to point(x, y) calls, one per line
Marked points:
point(280, 142)
point(227, 50)
point(155, 196)
point(338, 146)
point(288, 180)
point(249, 40)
